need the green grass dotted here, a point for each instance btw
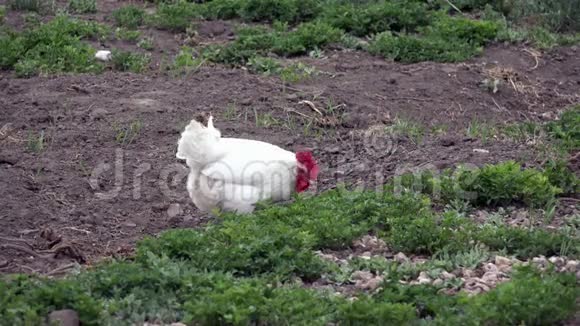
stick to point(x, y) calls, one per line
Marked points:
point(82, 6)
point(258, 42)
point(39, 6)
point(122, 33)
point(130, 61)
point(126, 134)
point(2, 14)
point(129, 16)
point(52, 47)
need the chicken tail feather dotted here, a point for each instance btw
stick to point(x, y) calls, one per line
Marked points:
point(197, 145)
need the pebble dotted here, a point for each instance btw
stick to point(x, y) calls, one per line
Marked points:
point(447, 276)
point(558, 261)
point(66, 317)
point(424, 278)
point(438, 282)
point(572, 266)
point(401, 258)
point(502, 261)
point(480, 150)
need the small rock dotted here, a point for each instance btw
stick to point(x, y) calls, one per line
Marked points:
point(490, 267)
point(401, 258)
point(438, 282)
point(66, 317)
point(447, 276)
point(174, 210)
point(480, 150)
point(361, 275)
point(328, 257)
point(333, 150)
point(467, 273)
point(541, 261)
point(371, 284)
point(572, 266)
point(366, 255)
point(558, 261)
point(490, 278)
point(292, 97)
point(130, 224)
point(447, 141)
point(502, 261)
point(178, 324)
point(98, 113)
point(424, 278)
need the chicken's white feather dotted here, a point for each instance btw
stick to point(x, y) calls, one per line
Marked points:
point(231, 173)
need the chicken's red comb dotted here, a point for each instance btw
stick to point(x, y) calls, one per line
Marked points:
point(306, 159)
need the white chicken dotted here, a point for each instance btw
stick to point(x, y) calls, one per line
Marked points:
point(233, 174)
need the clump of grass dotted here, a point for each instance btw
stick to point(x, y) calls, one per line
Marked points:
point(406, 128)
point(52, 47)
point(288, 73)
point(39, 6)
point(126, 134)
point(175, 16)
point(257, 41)
point(279, 10)
point(130, 61)
point(130, 16)
point(481, 130)
point(122, 33)
point(362, 19)
point(566, 131)
point(2, 13)
point(500, 184)
point(36, 143)
point(187, 60)
point(82, 6)
point(146, 43)
point(446, 40)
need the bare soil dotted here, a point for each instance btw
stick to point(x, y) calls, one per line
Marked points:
point(52, 208)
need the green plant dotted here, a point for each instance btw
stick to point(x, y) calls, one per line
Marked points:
point(126, 34)
point(82, 6)
point(130, 61)
point(406, 128)
point(146, 43)
point(279, 10)
point(126, 134)
point(409, 48)
point(129, 16)
point(33, 5)
point(36, 143)
point(51, 47)
point(187, 60)
point(376, 17)
point(481, 130)
point(176, 16)
point(2, 13)
point(567, 129)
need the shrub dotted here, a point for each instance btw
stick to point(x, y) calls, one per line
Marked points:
point(83, 6)
point(367, 19)
point(409, 49)
point(129, 16)
point(176, 16)
point(279, 10)
point(130, 61)
point(52, 47)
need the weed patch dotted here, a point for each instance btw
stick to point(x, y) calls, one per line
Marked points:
point(130, 16)
point(130, 61)
point(51, 48)
point(82, 6)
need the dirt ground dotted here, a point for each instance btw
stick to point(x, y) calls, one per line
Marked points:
point(87, 195)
